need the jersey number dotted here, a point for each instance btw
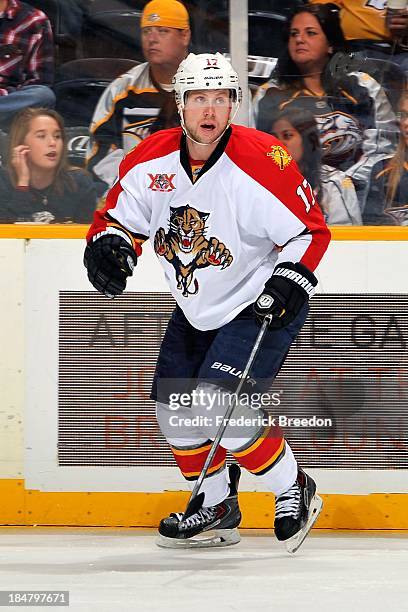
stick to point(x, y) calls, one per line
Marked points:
point(305, 193)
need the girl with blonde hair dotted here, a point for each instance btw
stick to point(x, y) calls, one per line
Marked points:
point(38, 185)
point(387, 199)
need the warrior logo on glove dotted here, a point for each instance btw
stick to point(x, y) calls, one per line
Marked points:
point(187, 249)
point(265, 301)
point(285, 293)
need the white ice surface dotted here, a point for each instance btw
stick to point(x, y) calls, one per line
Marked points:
point(122, 569)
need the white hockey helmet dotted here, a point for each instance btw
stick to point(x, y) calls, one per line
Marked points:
point(206, 71)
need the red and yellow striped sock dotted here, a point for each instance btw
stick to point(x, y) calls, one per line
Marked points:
point(191, 460)
point(263, 454)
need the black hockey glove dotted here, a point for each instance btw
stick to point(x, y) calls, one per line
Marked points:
point(289, 287)
point(109, 260)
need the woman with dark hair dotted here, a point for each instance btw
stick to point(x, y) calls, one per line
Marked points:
point(38, 185)
point(334, 191)
point(387, 199)
point(355, 120)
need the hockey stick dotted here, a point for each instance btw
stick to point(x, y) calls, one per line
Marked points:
point(196, 500)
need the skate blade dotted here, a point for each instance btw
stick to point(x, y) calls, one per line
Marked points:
point(293, 543)
point(217, 538)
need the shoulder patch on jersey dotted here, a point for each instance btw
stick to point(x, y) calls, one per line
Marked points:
point(279, 156)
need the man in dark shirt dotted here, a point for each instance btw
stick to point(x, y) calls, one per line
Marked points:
point(26, 59)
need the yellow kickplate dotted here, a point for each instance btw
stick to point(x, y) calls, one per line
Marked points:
point(30, 231)
point(19, 506)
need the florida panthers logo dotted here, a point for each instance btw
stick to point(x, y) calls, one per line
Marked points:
point(187, 249)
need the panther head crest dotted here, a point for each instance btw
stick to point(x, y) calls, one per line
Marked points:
point(187, 225)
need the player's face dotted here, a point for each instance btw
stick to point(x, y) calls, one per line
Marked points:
point(308, 45)
point(206, 114)
point(403, 121)
point(290, 137)
point(164, 46)
point(44, 138)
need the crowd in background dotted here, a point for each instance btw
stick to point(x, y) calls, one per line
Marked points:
point(82, 82)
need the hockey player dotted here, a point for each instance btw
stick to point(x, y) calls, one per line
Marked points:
point(238, 233)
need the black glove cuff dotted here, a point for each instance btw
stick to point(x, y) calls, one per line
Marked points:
point(298, 274)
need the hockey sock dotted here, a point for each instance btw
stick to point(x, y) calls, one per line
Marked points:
point(282, 474)
point(215, 488)
point(258, 447)
point(190, 447)
point(270, 458)
point(191, 461)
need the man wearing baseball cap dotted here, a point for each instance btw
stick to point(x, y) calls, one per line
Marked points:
point(141, 101)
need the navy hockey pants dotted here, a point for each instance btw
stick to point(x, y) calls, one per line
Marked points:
point(188, 356)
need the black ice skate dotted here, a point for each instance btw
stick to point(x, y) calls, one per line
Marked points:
point(208, 526)
point(296, 511)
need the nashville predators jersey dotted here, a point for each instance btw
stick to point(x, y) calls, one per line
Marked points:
point(130, 109)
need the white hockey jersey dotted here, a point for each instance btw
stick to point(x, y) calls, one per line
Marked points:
point(218, 238)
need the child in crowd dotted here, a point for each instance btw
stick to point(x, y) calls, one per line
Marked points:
point(38, 185)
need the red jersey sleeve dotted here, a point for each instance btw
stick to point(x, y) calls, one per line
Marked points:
point(155, 146)
point(267, 161)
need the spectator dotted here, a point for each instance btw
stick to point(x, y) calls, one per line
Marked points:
point(26, 59)
point(141, 101)
point(387, 200)
point(367, 29)
point(334, 191)
point(356, 124)
point(38, 185)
